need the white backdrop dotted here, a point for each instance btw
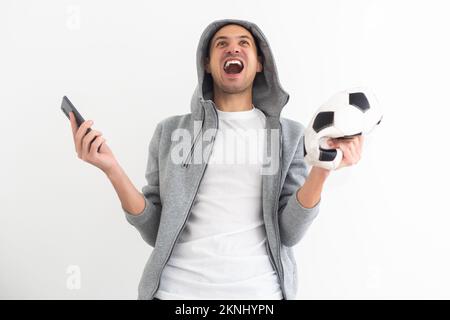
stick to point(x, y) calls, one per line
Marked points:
point(383, 229)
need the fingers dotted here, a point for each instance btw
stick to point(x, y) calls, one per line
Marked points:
point(348, 157)
point(86, 143)
point(81, 132)
point(360, 143)
point(347, 153)
point(96, 145)
point(351, 149)
point(353, 155)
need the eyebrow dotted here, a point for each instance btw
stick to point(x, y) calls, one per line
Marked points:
point(226, 38)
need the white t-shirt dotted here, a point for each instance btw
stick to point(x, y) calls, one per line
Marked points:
point(221, 253)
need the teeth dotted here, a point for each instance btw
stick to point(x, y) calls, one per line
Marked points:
point(232, 61)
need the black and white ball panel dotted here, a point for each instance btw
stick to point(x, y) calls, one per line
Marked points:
point(323, 120)
point(359, 100)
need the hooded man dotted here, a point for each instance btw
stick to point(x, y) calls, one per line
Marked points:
point(222, 229)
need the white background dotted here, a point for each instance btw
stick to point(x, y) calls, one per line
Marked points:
point(383, 230)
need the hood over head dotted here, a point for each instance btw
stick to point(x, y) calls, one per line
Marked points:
point(268, 94)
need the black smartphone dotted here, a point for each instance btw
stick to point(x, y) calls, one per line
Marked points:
point(67, 106)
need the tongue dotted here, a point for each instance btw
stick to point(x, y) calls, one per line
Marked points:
point(233, 69)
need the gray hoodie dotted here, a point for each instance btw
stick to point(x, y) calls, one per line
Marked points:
point(172, 187)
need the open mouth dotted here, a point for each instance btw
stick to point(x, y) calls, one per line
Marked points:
point(233, 66)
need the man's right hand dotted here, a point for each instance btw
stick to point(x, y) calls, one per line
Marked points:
point(91, 147)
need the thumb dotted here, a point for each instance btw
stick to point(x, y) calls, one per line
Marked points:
point(330, 142)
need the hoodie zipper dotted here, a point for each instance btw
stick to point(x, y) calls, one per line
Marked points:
point(192, 200)
point(277, 231)
point(188, 158)
point(280, 277)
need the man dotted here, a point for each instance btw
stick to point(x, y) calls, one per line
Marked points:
point(222, 230)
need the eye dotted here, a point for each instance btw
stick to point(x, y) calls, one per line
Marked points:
point(245, 41)
point(220, 43)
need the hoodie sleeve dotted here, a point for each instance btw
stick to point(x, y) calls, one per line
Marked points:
point(147, 222)
point(294, 219)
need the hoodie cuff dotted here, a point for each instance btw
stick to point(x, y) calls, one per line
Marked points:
point(139, 218)
point(305, 213)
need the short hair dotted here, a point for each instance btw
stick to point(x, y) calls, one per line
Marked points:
point(258, 49)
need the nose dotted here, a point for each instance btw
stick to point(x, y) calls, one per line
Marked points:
point(233, 50)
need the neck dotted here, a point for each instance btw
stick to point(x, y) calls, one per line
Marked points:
point(233, 102)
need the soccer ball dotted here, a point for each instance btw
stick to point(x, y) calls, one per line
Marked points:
point(348, 113)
